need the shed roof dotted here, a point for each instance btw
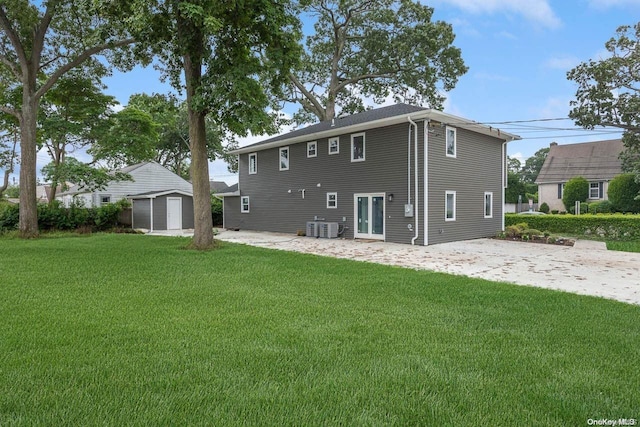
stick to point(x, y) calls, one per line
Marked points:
point(154, 194)
point(599, 160)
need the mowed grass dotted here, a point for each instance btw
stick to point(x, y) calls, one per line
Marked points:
point(631, 246)
point(134, 330)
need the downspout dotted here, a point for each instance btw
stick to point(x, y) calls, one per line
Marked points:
point(426, 182)
point(151, 211)
point(409, 165)
point(415, 173)
point(504, 180)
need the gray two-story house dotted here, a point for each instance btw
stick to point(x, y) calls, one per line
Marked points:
point(400, 174)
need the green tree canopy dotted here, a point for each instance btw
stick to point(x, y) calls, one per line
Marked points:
point(608, 92)
point(85, 176)
point(233, 59)
point(624, 193)
point(363, 48)
point(531, 169)
point(575, 190)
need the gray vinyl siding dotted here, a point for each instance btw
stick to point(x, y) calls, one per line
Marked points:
point(476, 169)
point(273, 208)
point(160, 213)
point(142, 213)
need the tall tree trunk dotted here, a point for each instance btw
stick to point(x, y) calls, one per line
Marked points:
point(202, 220)
point(28, 202)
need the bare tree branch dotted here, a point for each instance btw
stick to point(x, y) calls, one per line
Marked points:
point(317, 107)
point(15, 113)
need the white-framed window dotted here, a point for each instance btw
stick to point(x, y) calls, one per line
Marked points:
point(450, 206)
point(312, 149)
point(332, 200)
point(284, 158)
point(244, 204)
point(357, 147)
point(488, 204)
point(450, 142)
point(594, 190)
point(253, 163)
point(334, 145)
point(105, 199)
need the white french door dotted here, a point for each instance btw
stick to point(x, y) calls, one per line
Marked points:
point(369, 216)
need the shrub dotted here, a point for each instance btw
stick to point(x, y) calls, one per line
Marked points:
point(516, 230)
point(544, 207)
point(600, 207)
point(575, 190)
point(555, 211)
point(9, 216)
point(623, 190)
point(216, 211)
point(610, 227)
point(531, 233)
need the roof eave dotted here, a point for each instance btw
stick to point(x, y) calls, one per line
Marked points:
point(437, 116)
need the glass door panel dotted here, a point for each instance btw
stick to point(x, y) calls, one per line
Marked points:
point(377, 214)
point(363, 215)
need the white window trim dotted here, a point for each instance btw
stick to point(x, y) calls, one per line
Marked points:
point(337, 141)
point(364, 147)
point(255, 171)
point(455, 142)
point(597, 188)
point(242, 204)
point(446, 194)
point(335, 200)
point(102, 196)
point(315, 151)
point(280, 158)
point(484, 207)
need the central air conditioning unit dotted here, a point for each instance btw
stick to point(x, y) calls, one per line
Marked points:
point(312, 229)
point(328, 230)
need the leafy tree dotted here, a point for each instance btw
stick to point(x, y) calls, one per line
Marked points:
point(575, 190)
point(513, 165)
point(515, 188)
point(608, 93)
point(233, 58)
point(624, 193)
point(8, 154)
point(364, 48)
point(39, 43)
point(532, 166)
point(129, 137)
point(83, 175)
point(71, 115)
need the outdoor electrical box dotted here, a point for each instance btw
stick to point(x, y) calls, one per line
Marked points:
point(408, 210)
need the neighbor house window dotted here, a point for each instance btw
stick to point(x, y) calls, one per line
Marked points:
point(105, 199)
point(357, 147)
point(451, 142)
point(244, 204)
point(594, 190)
point(334, 145)
point(450, 206)
point(560, 190)
point(332, 200)
point(253, 163)
point(312, 149)
point(488, 204)
point(284, 159)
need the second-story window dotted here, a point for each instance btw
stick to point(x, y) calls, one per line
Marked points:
point(357, 147)
point(284, 159)
point(334, 145)
point(253, 163)
point(312, 149)
point(451, 142)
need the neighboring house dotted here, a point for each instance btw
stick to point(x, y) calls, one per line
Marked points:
point(401, 174)
point(43, 193)
point(216, 187)
point(161, 199)
point(598, 162)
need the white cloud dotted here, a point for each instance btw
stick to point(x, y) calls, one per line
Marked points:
point(562, 62)
point(554, 107)
point(506, 35)
point(537, 11)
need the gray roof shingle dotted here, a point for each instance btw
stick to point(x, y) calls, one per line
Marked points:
point(597, 160)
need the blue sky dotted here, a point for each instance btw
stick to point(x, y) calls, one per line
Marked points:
point(518, 53)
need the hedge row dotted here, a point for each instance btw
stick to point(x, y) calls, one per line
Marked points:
point(614, 226)
point(57, 217)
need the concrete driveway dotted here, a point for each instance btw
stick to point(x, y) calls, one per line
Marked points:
point(586, 268)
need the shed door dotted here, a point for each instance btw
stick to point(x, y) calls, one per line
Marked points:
point(174, 213)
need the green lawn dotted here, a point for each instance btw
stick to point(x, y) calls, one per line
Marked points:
point(633, 246)
point(134, 330)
